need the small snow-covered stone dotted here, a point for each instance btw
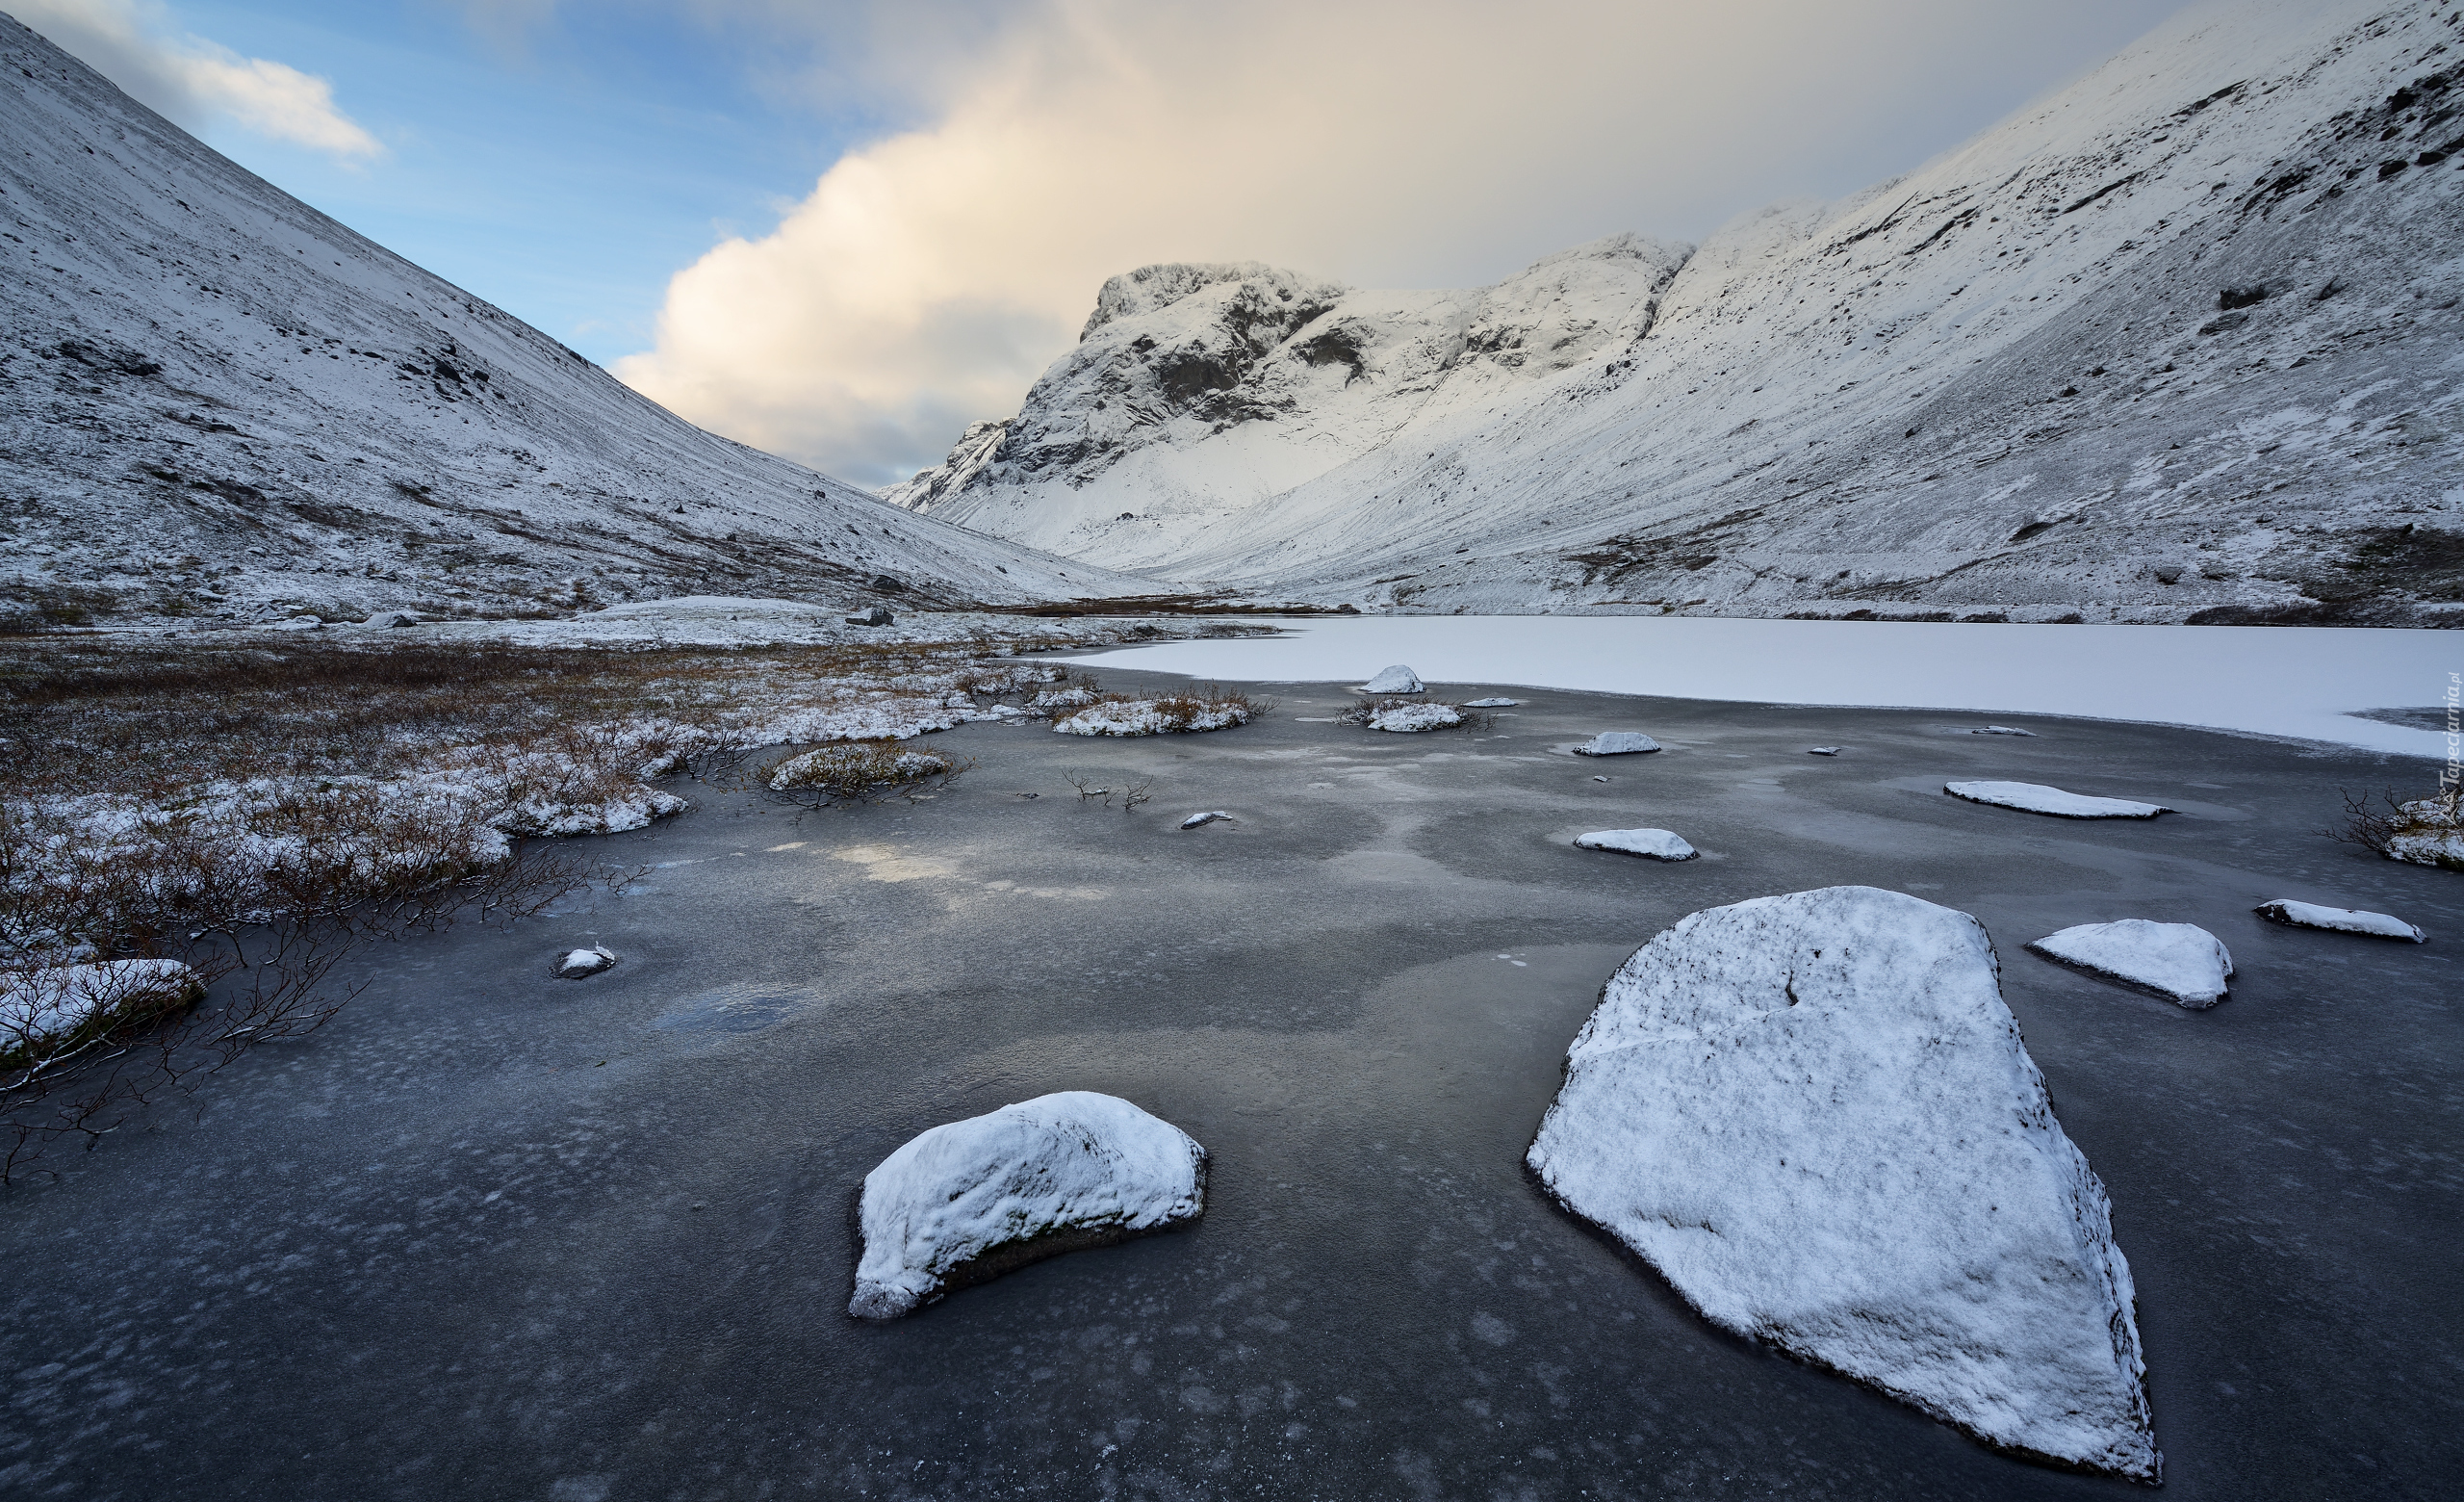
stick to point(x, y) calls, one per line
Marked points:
point(2000, 730)
point(2347, 920)
point(971, 1200)
point(1195, 819)
point(2037, 798)
point(391, 620)
point(578, 962)
point(1822, 751)
point(1617, 742)
point(2180, 962)
point(300, 623)
point(1814, 1116)
point(1397, 678)
point(1411, 718)
point(873, 615)
point(1660, 845)
point(1490, 704)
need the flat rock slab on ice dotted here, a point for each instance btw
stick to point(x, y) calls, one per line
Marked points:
point(1813, 1115)
point(969, 1200)
point(2000, 730)
point(2344, 921)
point(1617, 742)
point(1209, 816)
point(2037, 798)
point(1397, 678)
point(2180, 962)
point(1660, 845)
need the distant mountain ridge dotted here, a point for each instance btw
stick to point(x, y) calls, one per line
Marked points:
point(2177, 344)
point(217, 402)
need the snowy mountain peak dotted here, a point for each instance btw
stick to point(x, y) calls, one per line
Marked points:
point(1152, 288)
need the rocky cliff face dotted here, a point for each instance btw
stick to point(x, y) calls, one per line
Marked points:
point(217, 403)
point(2176, 344)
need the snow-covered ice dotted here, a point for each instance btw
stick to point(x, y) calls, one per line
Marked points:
point(578, 962)
point(1814, 1116)
point(2037, 798)
point(1660, 845)
point(1617, 742)
point(1208, 817)
point(1490, 704)
point(2347, 920)
point(974, 1199)
point(41, 1006)
point(1397, 678)
point(2181, 962)
point(1411, 718)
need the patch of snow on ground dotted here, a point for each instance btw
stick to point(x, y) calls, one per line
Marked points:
point(2347, 920)
point(42, 1006)
point(1660, 845)
point(976, 1198)
point(2180, 962)
point(1412, 718)
point(2037, 798)
point(1814, 1116)
point(1617, 742)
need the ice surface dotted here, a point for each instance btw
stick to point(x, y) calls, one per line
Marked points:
point(1209, 817)
point(1397, 679)
point(2295, 681)
point(974, 1199)
point(2037, 798)
point(2181, 962)
point(1814, 1116)
point(2349, 921)
point(1490, 704)
point(1617, 742)
point(1818, 1118)
point(42, 1006)
point(578, 962)
point(1409, 718)
point(1659, 844)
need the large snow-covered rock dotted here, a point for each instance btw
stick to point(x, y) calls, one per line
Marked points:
point(220, 403)
point(1397, 678)
point(1660, 845)
point(2429, 832)
point(971, 1200)
point(46, 1007)
point(2180, 962)
point(2172, 341)
point(2346, 920)
point(1814, 1116)
point(2037, 798)
point(1617, 742)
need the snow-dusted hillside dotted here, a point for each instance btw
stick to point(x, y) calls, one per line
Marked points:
point(215, 401)
point(2180, 343)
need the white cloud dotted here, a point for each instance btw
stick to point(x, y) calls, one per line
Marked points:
point(196, 82)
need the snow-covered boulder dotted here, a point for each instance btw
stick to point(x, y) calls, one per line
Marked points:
point(1397, 678)
point(1617, 742)
point(1660, 845)
point(1411, 718)
point(56, 1003)
point(1212, 815)
point(2037, 798)
point(2345, 920)
point(2428, 832)
point(1814, 1116)
point(2180, 962)
point(1490, 704)
point(578, 962)
point(873, 615)
point(972, 1200)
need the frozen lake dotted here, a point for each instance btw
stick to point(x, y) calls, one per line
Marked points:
point(2301, 682)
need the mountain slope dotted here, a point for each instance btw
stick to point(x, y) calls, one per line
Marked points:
point(2178, 344)
point(217, 402)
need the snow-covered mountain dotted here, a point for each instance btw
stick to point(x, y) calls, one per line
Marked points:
point(217, 402)
point(2180, 343)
